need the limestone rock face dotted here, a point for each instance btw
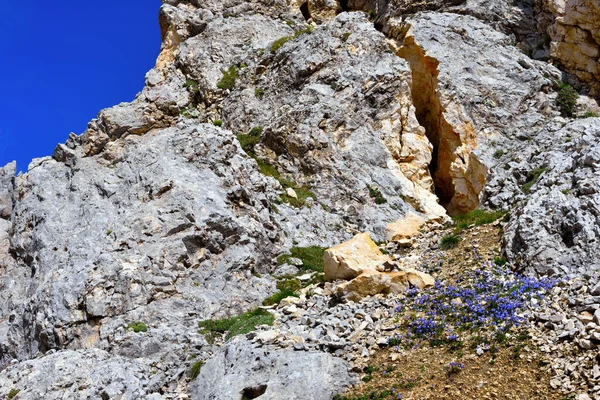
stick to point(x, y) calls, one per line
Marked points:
point(374, 116)
point(574, 29)
point(241, 369)
point(557, 229)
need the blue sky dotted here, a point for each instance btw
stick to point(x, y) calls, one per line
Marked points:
point(62, 62)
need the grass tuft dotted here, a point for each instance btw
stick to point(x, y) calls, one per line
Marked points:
point(532, 179)
point(449, 241)
point(195, 369)
point(312, 257)
point(476, 217)
point(566, 99)
point(227, 82)
point(239, 325)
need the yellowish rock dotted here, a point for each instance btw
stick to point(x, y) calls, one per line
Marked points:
point(405, 228)
point(349, 259)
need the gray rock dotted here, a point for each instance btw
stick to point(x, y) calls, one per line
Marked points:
point(240, 369)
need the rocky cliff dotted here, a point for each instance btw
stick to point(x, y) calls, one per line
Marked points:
point(272, 126)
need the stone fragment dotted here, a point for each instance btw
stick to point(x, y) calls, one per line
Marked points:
point(349, 259)
point(405, 228)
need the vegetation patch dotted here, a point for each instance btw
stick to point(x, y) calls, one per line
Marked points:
point(13, 393)
point(138, 327)
point(218, 123)
point(532, 179)
point(590, 114)
point(195, 369)
point(259, 93)
point(251, 139)
point(376, 196)
point(312, 257)
point(227, 82)
point(566, 99)
point(281, 41)
point(239, 325)
point(477, 218)
point(449, 241)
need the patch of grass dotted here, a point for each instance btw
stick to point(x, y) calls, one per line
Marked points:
point(218, 123)
point(376, 195)
point(239, 325)
point(13, 393)
point(259, 93)
point(192, 85)
point(590, 114)
point(276, 45)
point(287, 288)
point(498, 154)
point(250, 139)
point(346, 35)
point(312, 257)
point(532, 178)
point(500, 261)
point(476, 217)
point(449, 241)
point(566, 99)
point(138, 327)
point(195, 369)
point(228, 79)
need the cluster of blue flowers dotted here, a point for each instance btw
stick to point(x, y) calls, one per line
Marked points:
point(488, 298)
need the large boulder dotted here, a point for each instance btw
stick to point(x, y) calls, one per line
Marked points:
point(243, 371)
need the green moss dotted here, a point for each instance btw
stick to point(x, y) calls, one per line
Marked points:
point(476, 217)
point(195, 369)
point(250, 139)
point(590, 114)
point(500, 261)
point(346, 35)
point(13, 393)
point(281, 41)
point(449, 241)
point(229, 78)
point(218, 123)
point(532, 178)
point(138, 327)
point(498, 154)
point(312, 257)
point(238, 325)
point(259, 93)
point(566, 99)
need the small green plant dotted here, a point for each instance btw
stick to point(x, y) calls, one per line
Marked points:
point(449, 241)
point(192, 85)
point(281, 41)
point(250, 139)
point(218, 123)
point(195, 369)
point(287, 288)
point(239, 325)
point(312, 257)
point(13, 393)
point(566, 99)
point(138, 327)
point(376, 195)
point(532, 178)
point(109, 232)
point(259, 93)
point(227, 82)
point(590, 114)
point(500, 261)
point(476, 217)
point(346, 35)
point(498, 154)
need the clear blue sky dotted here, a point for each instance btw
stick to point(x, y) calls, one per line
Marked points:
point(62, 62)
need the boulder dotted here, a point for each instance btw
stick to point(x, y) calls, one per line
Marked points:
point(349, 259)
point(405, 228)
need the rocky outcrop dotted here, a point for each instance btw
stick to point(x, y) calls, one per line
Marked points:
point(243, 370)
point(556, 229)
point(368, 270)
point(573, 28)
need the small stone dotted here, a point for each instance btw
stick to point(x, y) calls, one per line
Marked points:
point(291, 192)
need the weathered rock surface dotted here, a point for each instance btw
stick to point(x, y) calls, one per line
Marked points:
point(242, 369)
point(573, 26)
point(155, 215)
